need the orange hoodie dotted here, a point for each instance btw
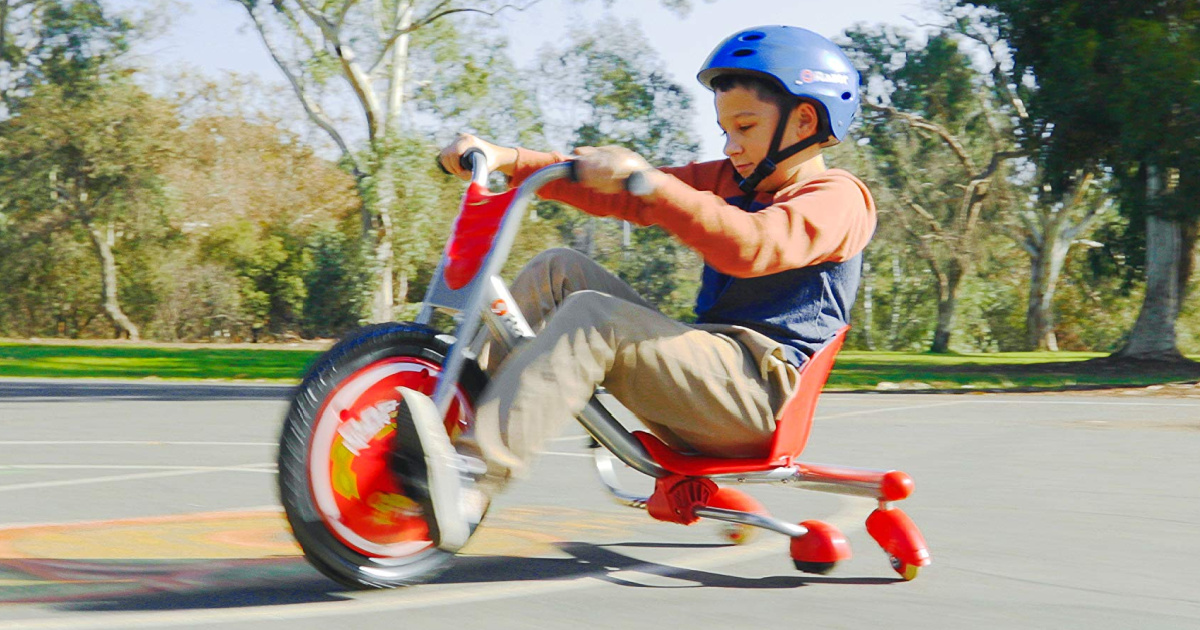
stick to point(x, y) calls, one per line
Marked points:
point(827, 218)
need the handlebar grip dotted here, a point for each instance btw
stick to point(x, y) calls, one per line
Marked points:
point(572, 174)
point(467, 160)
point(638, 184)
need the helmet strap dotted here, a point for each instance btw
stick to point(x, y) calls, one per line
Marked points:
point(774, 157)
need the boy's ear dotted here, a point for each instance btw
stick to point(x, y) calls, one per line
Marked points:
point(805, 118)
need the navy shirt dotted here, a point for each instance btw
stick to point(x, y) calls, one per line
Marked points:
point(800, 308)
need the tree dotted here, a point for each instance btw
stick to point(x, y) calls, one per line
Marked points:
point(1117, 82)
point(605, 86)
point(368, 46)
point(939, 136)
point(64, 42)
point(259, 204)
point(91, 163)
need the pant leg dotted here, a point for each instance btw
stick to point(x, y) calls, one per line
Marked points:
point(703, 387)
point(542, 285)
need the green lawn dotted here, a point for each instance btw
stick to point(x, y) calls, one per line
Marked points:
point(44, 360)
point(1003, 370)
point(855, 370)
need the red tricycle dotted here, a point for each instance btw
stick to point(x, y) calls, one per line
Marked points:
point(347, 508)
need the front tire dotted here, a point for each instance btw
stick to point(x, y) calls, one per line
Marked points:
point(346, 510)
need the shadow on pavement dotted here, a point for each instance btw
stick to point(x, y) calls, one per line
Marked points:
point(157, 585)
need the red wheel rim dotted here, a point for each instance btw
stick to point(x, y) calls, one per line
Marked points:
point(356, 495)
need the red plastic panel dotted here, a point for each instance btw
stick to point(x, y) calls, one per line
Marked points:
point(795, 419)
point(698, 465)
point(898, 536)
point(822, 543)
point(791, 431)
point(733, 499)
point(474, 231)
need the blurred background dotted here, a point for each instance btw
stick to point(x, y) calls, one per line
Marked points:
point(254, 170)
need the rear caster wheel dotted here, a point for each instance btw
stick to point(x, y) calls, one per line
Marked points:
point(820, 568)
point(820, 548)
point(734, 499)
point(907, 571)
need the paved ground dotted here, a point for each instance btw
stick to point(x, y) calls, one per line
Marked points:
point(153, 506)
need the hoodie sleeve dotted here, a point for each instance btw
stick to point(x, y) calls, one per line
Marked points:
point(828, 218)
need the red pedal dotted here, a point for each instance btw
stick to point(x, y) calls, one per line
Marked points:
point(676, 498)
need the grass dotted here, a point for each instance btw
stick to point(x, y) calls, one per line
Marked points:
point(855, 370)
point(132, 361)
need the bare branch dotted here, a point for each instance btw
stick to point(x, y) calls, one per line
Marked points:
point(1025, 241)
point(311, 107)
point(432, 16)
point(1001, 80)
point(934, 225)
point(979, 187)
point(436, 13)
point(341, 18)
point(918, 122)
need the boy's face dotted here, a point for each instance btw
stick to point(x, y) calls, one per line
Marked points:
point(749, 124)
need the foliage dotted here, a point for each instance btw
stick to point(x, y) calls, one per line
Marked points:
point(1116, 82)
point(68, 43)
point(936, 144)
point(607, 87)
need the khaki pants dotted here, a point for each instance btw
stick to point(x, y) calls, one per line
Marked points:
point(695, 387)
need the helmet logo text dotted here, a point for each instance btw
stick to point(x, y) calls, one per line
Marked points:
point(816, 76)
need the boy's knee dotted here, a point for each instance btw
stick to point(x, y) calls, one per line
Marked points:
point(587, 307)
point(552, 259)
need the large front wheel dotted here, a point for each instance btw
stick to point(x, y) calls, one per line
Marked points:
point(350, 516)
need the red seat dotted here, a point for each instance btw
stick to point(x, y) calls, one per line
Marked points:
point(792, 426)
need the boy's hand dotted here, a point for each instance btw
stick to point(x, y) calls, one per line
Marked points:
point(498, 158)
point(605, 169)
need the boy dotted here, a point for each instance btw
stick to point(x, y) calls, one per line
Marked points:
point(781, 238)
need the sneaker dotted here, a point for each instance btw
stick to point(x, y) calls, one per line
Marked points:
point(432, 473)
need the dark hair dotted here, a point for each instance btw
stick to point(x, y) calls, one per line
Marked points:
point(767, 90)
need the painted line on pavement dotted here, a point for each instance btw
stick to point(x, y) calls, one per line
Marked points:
point(864, 412)
point(191, 470)
point(252, 468)
point(126, 443)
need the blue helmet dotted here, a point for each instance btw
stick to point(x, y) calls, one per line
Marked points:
point(802, 62)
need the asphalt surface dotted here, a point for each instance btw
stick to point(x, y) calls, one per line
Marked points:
point(153, 505)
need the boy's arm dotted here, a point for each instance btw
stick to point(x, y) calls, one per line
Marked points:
point(828, 218)
point(622, 205)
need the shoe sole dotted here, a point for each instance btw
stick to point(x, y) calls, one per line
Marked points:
point(447, 526)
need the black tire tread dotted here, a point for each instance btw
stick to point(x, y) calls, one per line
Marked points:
point(323, 550)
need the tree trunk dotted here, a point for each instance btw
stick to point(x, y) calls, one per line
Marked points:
point(1153, 334)
point(947, 303)
point(868, 306)
point(108, 284)
point(385, 199)
point(1046, 267)
point(384, 301)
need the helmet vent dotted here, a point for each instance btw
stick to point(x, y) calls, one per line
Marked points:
point(743, 52)
point(847, 96)
point(752, 36)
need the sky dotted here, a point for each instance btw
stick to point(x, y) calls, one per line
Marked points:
point(216, 36)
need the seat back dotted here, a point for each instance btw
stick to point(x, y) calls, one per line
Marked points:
point(794, 421)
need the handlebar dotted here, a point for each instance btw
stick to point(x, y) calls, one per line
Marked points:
point(475, 161)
